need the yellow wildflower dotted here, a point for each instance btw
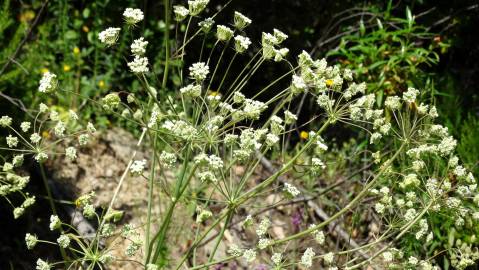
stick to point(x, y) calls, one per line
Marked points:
point(76, 50)
point(213, 93)
point(27, 16)
point(66, 68)
point(329, 82)
point(101, 84)
point(304, 135)
point(45, 134)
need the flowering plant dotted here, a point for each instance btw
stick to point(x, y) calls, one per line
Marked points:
point(215, 142)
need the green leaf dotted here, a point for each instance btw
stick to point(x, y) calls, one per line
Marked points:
point(380, 24)
point(70, 34)
point(362, 29)
point(410, 18)
point(86, 13)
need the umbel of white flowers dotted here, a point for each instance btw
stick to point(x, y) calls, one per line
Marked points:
point(48, 83)
point(133, 16)
point(109, 36)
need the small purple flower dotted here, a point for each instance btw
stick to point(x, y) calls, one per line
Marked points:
point(297, 219)
point(261, 267)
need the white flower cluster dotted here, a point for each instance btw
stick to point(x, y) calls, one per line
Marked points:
point(363, 109)
point(55, 222)
point(423, 229)
point(43, 265)
point(252, 108)
point(354, 89)
point(197, 6)
point(138, 47)
point(191, 90)
point(168, 159)
point(181, 129)
point(137, 167)
point(307, 258)
point(317, 165)
point(109, 36)
point(241, 21)
point(223, 33)
point(289, 118)
point(271, 139)
point(263, 227)
point(298, 85)
point(264, 243)
point(5, 121)
point(249, 255)
point(207, 176)
point(31, 241)
point(63, 241)
point(410, 95)
point(203, 215)
point(318, 235)
point(270, 44)
point(241, 43)
point(206, 25)
point(212, 161)
point(328, 258)
point(276, 125)
point(133, 15)
point(48, 83)
point(180, 13)
point(139, 65)
point(249, 142)
point(71, 153)
point(393, 103)
point(291, 190)
point(277, 258)
point(248, 108)
point(199, 71)
point(12, 141)
point(234, 250)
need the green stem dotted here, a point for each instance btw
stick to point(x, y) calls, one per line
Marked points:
point(167, 43)
point(47, 188)
point(220, 236)
point(227, 71)
point(213, 263)
point(184, 45)
point(150, 197)
point(179, 189)
point(216, 67)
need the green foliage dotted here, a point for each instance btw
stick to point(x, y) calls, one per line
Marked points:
point(468, 147)
point(390, 53)
point(11, 35)
point(70, 48)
